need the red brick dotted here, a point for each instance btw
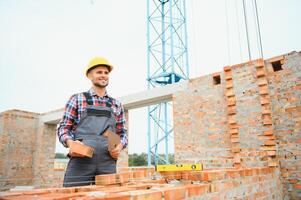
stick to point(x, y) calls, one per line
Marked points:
point(227, 68)
point(202, 176)
point(197, 176)
point(293, 181)
point(231, 98)
point(235, 149)
point(270, 142)
point(171, 175)
point(268, 132)
point(272, 164)
point(81, 149)
point(271, 153)
point(268, 148)
point(229, 92)
point(231, 103)
point(232, 119)
point(233, 126)
point(259, 63)
point(106, 179)
point(197, 190)
point(267, 122)
point(234, 140)
point(260, 72)
point(266, 111)
point(264, 99)
point(233, 131)
point(277, 58)
point(297, 186)
point(228, 75)
point(232, 174)
point(123, 177)
point(158, 181)
point(292, 109)
point(175, 193)
point(112, 196)
point(143, 194)
point(229, 84)
point(263, 89)
point(237, 159)
point(139, 174)
point(262, 81)
point(231, 109)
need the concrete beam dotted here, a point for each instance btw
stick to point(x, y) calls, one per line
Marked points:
point(152, 96)
point(52, 117)
point(136, 100)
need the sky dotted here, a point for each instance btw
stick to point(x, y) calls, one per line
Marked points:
point(46, 44)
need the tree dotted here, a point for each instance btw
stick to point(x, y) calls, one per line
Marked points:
point(141, 159)
point(60, 156)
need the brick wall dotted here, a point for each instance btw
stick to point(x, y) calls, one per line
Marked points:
point(200, 123)
point(251, 119)
point(43, 162)
point(285, 92)
point(27, 151)
point(17, 137)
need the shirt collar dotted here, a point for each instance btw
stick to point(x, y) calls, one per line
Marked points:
point(93, 93)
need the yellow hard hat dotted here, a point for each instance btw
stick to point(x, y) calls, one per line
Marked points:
point(98, 61)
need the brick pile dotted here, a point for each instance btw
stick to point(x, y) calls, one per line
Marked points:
point(136, 184)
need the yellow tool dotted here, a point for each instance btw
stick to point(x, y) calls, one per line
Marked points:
point(179, 167)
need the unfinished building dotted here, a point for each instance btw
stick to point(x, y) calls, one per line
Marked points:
point(243, 124)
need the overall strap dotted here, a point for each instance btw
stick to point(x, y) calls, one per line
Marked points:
point(88, 98)
point(109, 103)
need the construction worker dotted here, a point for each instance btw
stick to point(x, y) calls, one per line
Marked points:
point(86, 117)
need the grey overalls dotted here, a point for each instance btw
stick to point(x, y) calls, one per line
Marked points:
point(93, 123)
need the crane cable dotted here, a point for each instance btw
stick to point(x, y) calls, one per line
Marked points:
point(247, 31)
point(228, 34)
point(259, 42)
point(194, 39)
point(238, 31)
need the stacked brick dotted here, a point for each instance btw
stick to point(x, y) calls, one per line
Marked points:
point(240, 183)
point(211, 184)
point(268, 136)
point(232, 118)
point(126, 175)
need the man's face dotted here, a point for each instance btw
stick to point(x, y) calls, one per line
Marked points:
point(99, 76)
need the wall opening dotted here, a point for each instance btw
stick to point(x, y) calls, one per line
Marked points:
point(277, 66)
point(138, 136)
point(216, 80)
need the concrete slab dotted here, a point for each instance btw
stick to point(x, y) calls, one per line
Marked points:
point(136, 100)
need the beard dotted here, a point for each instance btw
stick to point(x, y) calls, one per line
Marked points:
point(100, 85)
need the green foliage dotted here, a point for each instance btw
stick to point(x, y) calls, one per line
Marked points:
point(60, 156)
point(141, 159)
point(138, 160)
point(134, 159)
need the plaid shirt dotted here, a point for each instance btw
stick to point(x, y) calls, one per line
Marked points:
point(75, 108)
